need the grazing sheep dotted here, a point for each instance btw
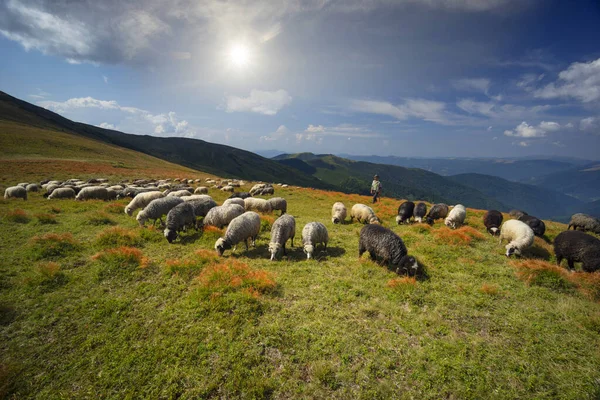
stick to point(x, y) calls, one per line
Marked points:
point(32, 187)
point(577, 246)
point(585, 223)
point(420, 212)
point(157, 208)
point(201, 190)
point(519, 235)
point(241, 195)
point(15, 192)
point(50, 187)
point(383, 243)
point(111, 194)
point(92, 193)
point(260, 205)
point(133, 191)
point(338, 213)
point(262, 189)
point(517, 213)
point(201, 206)
point(227, 188)
point(405, 212)
point(196, 197)
point(235, 200)
point(269, 190)
point(179, 219)
point(283, 228)
point(62, 193)
point(142, 200)
point(492, 221)
point(221, 216)
point(241, 228)
point(278, 203)
point(363, 214)
point(180, 193)
point(538, 226)
point(314, 233)
point(437, 211)
point(456, 216)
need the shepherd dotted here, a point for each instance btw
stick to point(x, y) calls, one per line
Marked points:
point(376, 188)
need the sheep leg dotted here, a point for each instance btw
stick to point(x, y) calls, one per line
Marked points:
point(292, 242)
point(246, 243)
point(569, 227)
point(559, 260)
point(361, 250)
point(284, 252)
point(373, 257)
point(571, 264)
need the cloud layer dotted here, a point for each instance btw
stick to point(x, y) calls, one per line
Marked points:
point(259, 101)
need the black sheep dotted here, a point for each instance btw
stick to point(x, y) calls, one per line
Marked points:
point(240, 195)
point(405, 212)
point(538, 226)
point(382, 243)
point(492, 221)
point(437, 211)
point(420, 212)
point(577, 246)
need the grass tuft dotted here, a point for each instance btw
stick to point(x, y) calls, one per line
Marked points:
point(17, 216)
point(100, 218)
point(118, 237)
point(187, 269)
point(47, 276)
point(266, 222)
point(53, 245)
point(120, 262)
point(114, 208)
point(544, 274)
point(462, 236)
point(46, 219)
point(489, 289)
point(55, 210)
point(230, 276)
point(402, 283)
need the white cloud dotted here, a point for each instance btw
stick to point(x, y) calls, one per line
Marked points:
point(105, 78)
point(530, 131)
point(427, 110)
point(590, 124)
point(313, 128)
point(580, 81)
point(282, 132)
point(259, 101)
point(523, 144)
point(477, 107)
point(527, 80)
point(167, 124)
point(501, 112)
point(476, 84)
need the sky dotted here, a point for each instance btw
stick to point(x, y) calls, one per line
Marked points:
point(422, 78)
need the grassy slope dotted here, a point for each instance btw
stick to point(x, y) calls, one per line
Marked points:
point(212, 158)
point(333, 328)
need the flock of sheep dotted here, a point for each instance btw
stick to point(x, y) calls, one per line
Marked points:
point(186, 207)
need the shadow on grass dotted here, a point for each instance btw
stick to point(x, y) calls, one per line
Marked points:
point(185, 238)
point(537, 252)
point(7, 314)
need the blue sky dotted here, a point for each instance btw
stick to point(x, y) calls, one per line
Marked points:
point(426, 78)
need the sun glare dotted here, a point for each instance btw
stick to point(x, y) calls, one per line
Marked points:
point(239, 56)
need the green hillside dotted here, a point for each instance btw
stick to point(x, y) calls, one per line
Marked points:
point(582, 182)
point(537, 201)
point(212, 158)
point(356, 176)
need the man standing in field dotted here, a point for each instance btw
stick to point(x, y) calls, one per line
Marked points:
point(376, 188)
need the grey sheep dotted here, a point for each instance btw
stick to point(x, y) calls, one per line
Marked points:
point(492, 221)
point(519, 235)
point(338, 213)
point(201, 206)
point(420, 212)
point(92, 193)
point(314, 233)
point(196, 197)
point(32, 187)
point(180, 193)
point(62, 193)
point(241, 195)
point(577, 246)
point(241, 228)
point(201, 190)
point(221, 216)
point(179, 219)
point(278, 203)
point(538, 226)
point(585, 222)
point(437, 211)
point(382, 243)
point(283, 228)
point(15, 192)
point(157, 208)
point(256, 204)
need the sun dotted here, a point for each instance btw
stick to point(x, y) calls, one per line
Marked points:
point(239, 55)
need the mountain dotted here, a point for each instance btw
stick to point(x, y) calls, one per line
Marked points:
point(508, 168)
point(582, 182)
point(543, 203)
point(415, 184)
point(213, 158)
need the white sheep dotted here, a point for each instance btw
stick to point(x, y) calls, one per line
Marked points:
point(141, 200)
point(314, 233)
point(519, 235)
point(256, 204)
point(180, 193)
point(227, 188)
point(201, 190)
point(241, 228)
point(92, 193)
point(157, 208)
point(283, 228)
point(196, 197)
point(338, 213)
point(221, 216)
point(456, 216)
point(62, 193)
point(278, 203)
point(363, 214)
point(32, 187)
point(235, 200)
point(15, 192)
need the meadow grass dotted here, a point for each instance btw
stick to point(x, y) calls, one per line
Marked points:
point(111, 310)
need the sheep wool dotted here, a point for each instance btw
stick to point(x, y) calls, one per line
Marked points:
point(338, 213)
point(519, 235)
point(420, 212)
point(92, 193)
point(283, 228)
point(221, 216)
point(179, 219)
point(383, 244)
point(241, 228)
point(235, 200)
point(585, 222)
point(201, 190)
point(157, 208)
point(405, 212)
point(538, 226)
point(363, 214)
point(180, 193)
point(278, 203)
point(141, 200)
point(15, 192)
point(578, 246)
point(314, 233)
point(255, 204)
point(456, 216)
point(62, 193)
point(492, 221)
point(437, 211)
point(201, 206)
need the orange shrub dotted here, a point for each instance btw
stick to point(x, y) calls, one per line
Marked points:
point(122, 261)
point(53, 245)
point(19, 216)
point(492, 290)
point(114, 208)
point(460, 237)
point(542, 273)
point(117, 236)
point(402, 282)
point(46, 219)
point(234, 276)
